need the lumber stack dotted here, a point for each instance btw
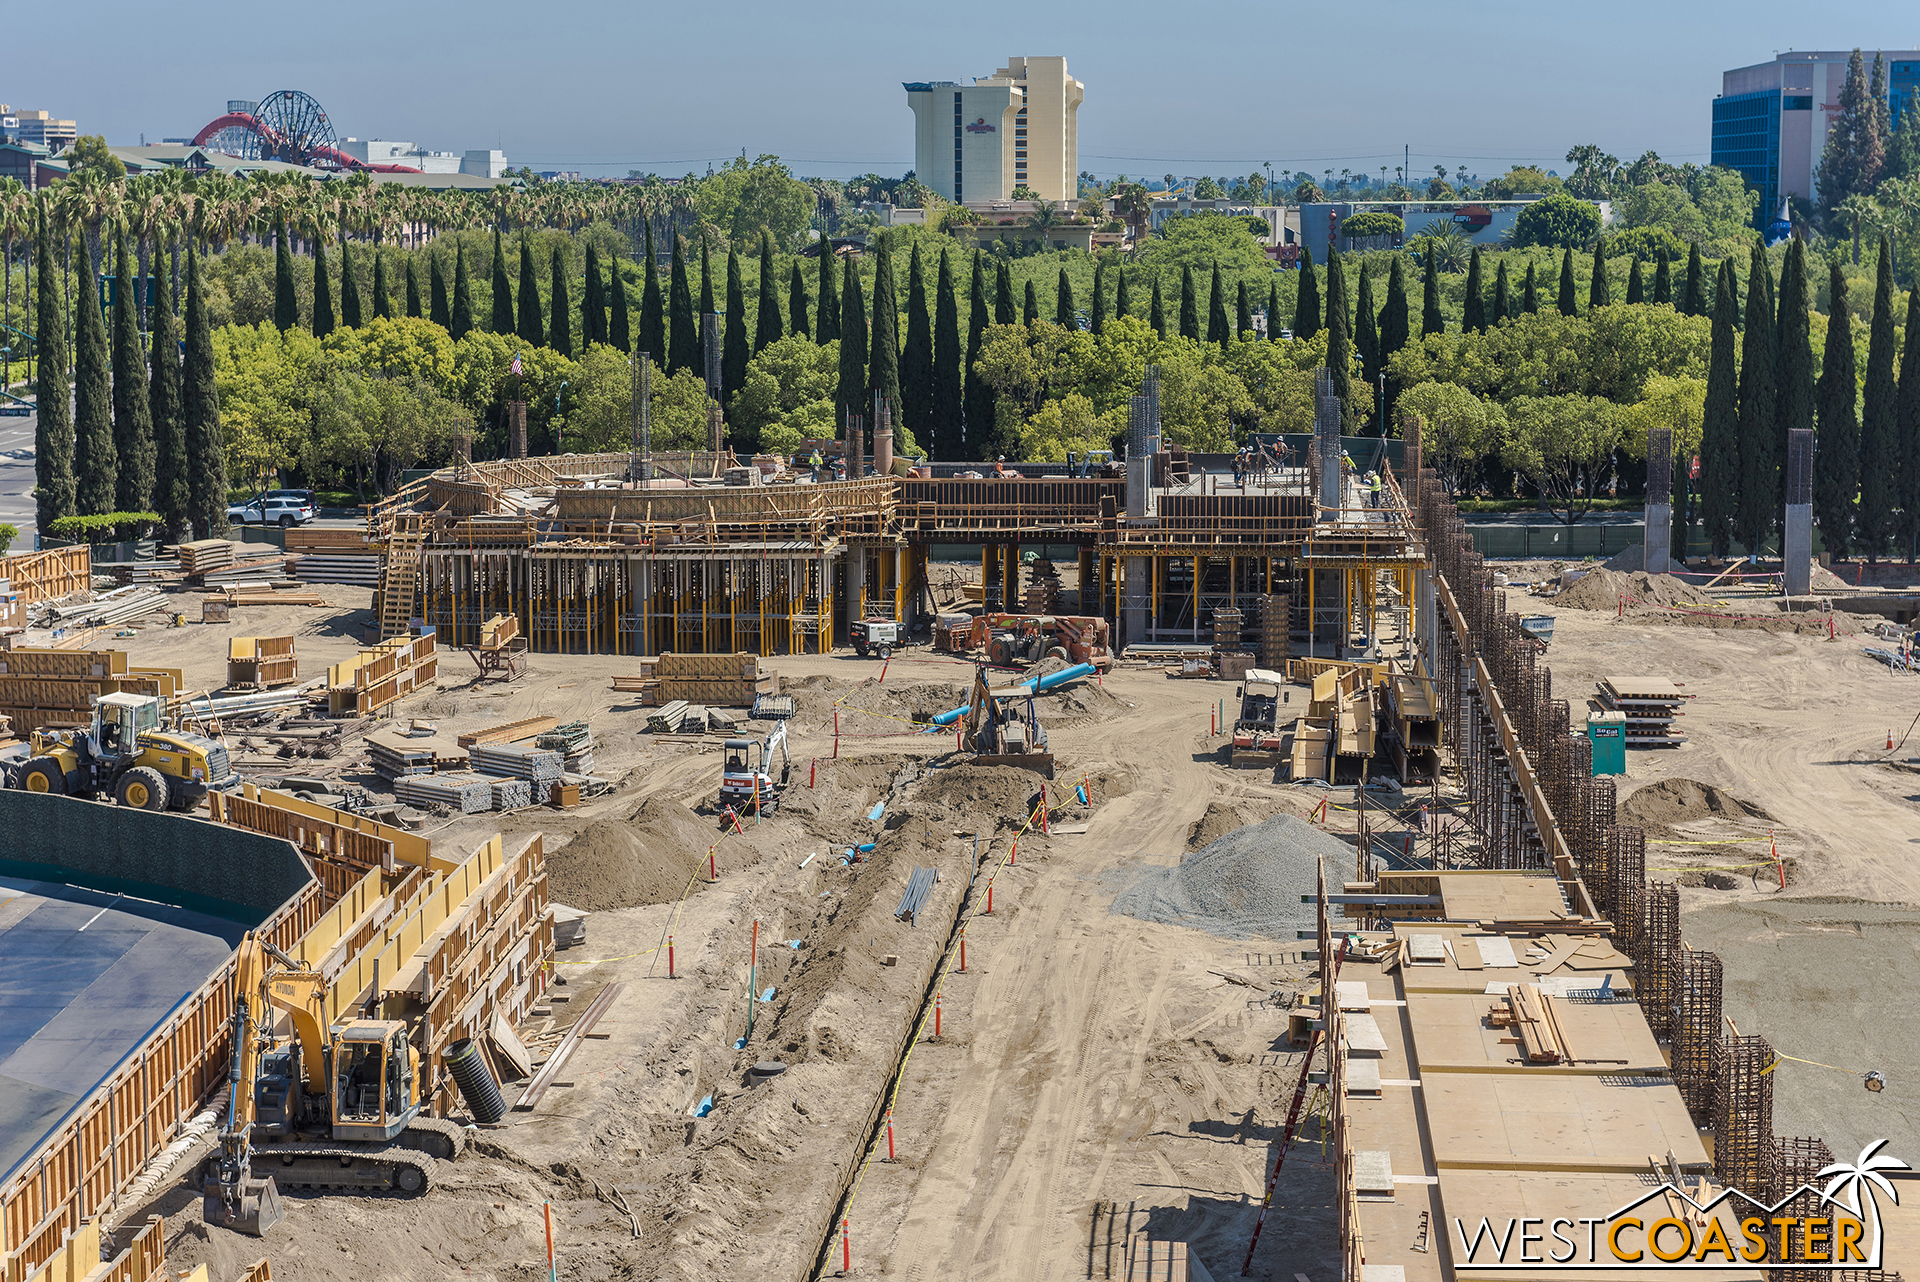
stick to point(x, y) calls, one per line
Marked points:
point(1652, 706)
point(668, 720)
point(722, 680)
point(574, 741)
point(204, 556)
point(250, 594)
point(466, 793)
point(380, 674)
point(42, 688)
point(509, 731)
point(260, 663)
point(332, 556)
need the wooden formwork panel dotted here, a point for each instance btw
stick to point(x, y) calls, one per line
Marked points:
point(989, 503)
point(62, 664)
point(49, 575)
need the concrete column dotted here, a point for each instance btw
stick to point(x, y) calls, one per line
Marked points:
point(856, 583)
point(1134, 597)
point(1796, 549)
point(900, 584)
point(1658, 537)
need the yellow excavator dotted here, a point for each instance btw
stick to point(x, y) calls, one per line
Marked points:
point(328, 1108)
point(130, 755)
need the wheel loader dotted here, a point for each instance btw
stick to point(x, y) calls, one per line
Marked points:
point(332, 1107)
point(127, 754)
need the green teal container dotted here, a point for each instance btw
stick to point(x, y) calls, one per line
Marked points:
point(1607, 731)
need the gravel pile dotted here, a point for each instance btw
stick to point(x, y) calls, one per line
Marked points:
point(1247, 883)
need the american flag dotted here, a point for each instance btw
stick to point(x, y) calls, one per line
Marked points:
point(516, 363)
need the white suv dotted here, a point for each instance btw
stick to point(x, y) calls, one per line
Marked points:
point(281, 511)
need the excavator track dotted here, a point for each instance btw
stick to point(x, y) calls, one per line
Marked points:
point(436, 1137)
point(394, 1168)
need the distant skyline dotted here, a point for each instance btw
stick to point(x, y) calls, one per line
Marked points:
point(605, 89)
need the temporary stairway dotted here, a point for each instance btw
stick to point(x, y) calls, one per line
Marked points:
point(399, 583)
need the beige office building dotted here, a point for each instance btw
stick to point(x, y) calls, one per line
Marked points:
point(1018, 127)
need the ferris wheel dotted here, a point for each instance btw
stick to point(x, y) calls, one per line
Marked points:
point(294, 128)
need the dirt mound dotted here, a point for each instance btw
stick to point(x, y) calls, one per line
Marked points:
point(1627, 560)
point(1048, 666)
point(1603, 588)
point(1825, 580)
point(983, 797)
point(645, 858)
point(1223, 817)
point(1672, 802)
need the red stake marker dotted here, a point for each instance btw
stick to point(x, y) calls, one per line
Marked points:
point(670, 974)
point(889, 1135)
point(936, 1014)
point(846, 1247)
point(812, 771)
point(989, 898)
point(713, 868)
point(963, 950)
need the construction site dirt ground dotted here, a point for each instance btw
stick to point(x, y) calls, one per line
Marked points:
point(1095, 1073)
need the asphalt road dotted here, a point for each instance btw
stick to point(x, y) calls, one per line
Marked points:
point(16, 478)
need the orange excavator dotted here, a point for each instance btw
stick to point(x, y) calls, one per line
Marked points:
point(1014, 640)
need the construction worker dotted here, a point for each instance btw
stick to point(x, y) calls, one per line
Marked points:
point(815, 463)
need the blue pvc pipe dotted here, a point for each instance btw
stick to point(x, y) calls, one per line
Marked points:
point(948, 718)
point(1041, 685)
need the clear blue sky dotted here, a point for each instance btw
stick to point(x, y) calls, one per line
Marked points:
point(1186, 89)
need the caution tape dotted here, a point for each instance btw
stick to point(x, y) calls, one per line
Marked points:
point(1730, 841)
point(1764, 863)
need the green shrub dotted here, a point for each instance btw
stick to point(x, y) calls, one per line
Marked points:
point(105, 527)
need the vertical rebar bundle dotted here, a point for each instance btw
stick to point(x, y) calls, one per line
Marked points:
point(1696, 980)
point(1743, 1115)
point(1659, 939)
point(1627, 869)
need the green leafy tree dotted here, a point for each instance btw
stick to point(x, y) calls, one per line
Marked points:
point(619, 322)
point(1339, 332)
point(322, 292)
point(1663, 282)
point(883, 338)
point(171, 498)
point(766, 327)
point(593, 302)
point(560, 307)
point(95, 466)
point(1097, 318)
point(1880, 452)
point(1694, 302)
point(1599, 291)
point(200, 413)
point(1636, 284)
point(132, 412)
point(1720, 424)
point(1558, 221)
point(414, 308)
point(439, 305)
point(978, 393)
point(946, 426)
point(382, 294)
point(747, 199)
point(1366, 332)
point(1306, 299)
point(528, 323)
point(653, 308)
point(1157, 311)
point(502, 318)
point(827, 325)
point(1431, 321)
point(788, 394)
point(1793, 346)
point(1903, 143)
point(916, 356)
point(1530, 294)
point(850, 394)
point(1502, 302)
point(1030, 308)
point(1457, 428)
point(683, 342)
point(1855, 149)
point(1759, 405)
point(797, 304)
point(735, 350)
point(286, 300)
point(1906, 414)
point(1564, 446)
point(1836, 461)
point(351, 314)
point(1123, 300)
point(1203, 239)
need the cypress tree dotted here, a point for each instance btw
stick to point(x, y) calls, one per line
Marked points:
point(1599, 289)
point(916, 356)
point(1157, 311)
point(1793, 347)
point(1217, 311)
point(1530, 294)
point(766, 321)
point(351, 315)
point(132, 414)
point(1366, 331)
point(382, 293)
point(560, 307)
point(706, 298)
point(1189, 306)
point(170, 497)
point(850, 395)
point(978, 393)
point(1242, 312)
point(797, 304)
point(322, 292)
point(200, 414)
point(414, 307)
point(1836, 461)
point(1474, 318)
point(683, 340)
point(502, 289)
point(1273, 309)
point(735, 349)
point(528, 323)
point(438, 309)
point(653, 308)
point(1004, 311)
point(883, 337)
point(460, 313)
point(1720, 426)
point(1030, 309)
point(1663, 280)
point(96, 470)
point(1394, 329)
point(1636, 286)
point(619, 323)
point(286, 301)
point(1759, 402)
point(1880, 453)
point(1097, 317)
point(827, 323)
point(1502, 303)
point(593, 301)
point(1906, 414)
point(1065, 314)
point(1431, 321)
point(946, 421)
point(1694, 302)
point(1122, 299)
point(1339, 330)
point(1569, 302)
point(1306, 300)
point(53, 431)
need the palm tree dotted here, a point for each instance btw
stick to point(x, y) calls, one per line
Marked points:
point(1044, 218)
point(1449, 246)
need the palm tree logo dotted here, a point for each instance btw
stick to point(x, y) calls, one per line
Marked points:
point(1849, 1182)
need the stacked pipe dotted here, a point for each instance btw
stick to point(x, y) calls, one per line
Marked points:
point(462, 791)
point(575, 742)
point(115, 607)
point(243, 704)
point(517, 761)
point(511, 794)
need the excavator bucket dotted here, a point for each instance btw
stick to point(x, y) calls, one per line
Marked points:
point(257, 1208)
